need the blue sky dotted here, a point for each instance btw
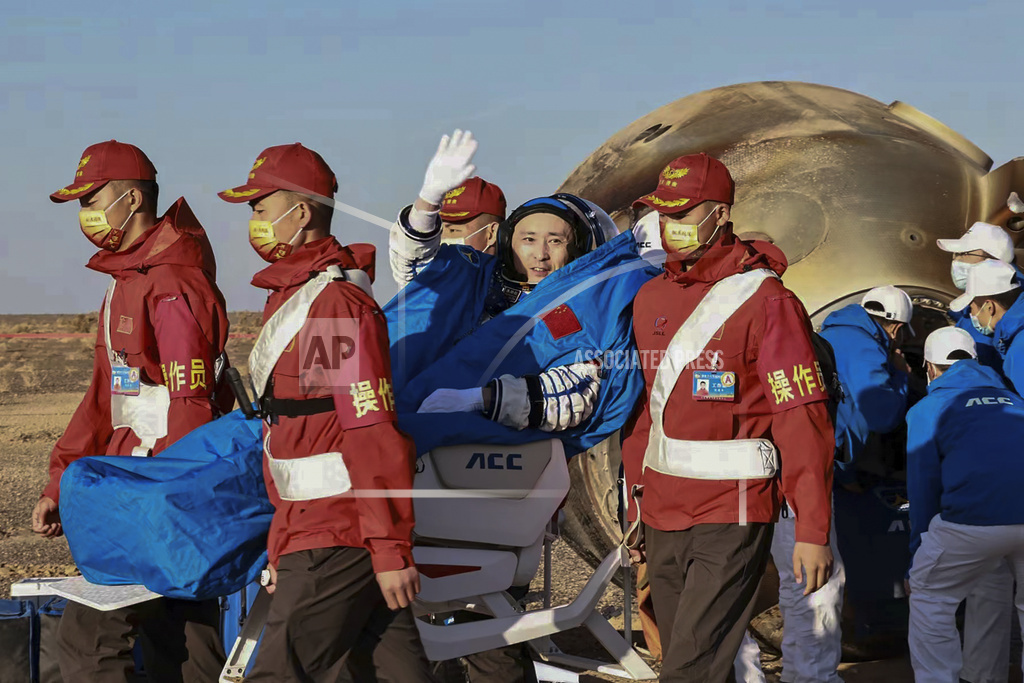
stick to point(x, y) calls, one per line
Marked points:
point(372, 86)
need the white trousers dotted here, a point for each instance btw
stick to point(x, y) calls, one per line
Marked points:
point(811, 635)
point(987, 625)
point(952, 560)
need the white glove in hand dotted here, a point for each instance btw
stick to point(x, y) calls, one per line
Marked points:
point(570, 393)
point(558, 399)
point(453, 401)
point(451, 166)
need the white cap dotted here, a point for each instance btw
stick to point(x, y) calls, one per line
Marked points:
point(985, 279)
point(941, 343)
point(989, 238)
point(895, 303)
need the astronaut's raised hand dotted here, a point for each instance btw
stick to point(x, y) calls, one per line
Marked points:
point(453, 401)
point(451, 166)
point(557, 399)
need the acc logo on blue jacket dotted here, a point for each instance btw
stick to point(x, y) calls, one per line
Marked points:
point(988, 401)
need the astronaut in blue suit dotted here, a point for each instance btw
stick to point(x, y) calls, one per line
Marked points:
point(513, 347)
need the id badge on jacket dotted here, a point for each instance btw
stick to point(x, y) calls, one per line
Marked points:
point(714, 386)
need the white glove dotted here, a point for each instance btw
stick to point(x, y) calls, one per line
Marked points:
point(451, 166)
point(570, 393)
point(453, 401)
point(558, 399)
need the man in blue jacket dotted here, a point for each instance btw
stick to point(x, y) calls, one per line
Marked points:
point(874, 375)
point(987, 619)
point(995, 308)
point(874, 378)
point(966, 517)
point(982, 242)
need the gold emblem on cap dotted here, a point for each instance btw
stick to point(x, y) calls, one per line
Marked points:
point(83, 162)
point(244, 193)
point(673, 173)
point(667, 203)
point(83, 188)
point(449, 214)
point(451, 195)
point(259, 162)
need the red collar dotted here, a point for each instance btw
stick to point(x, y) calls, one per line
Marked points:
point(302, 264)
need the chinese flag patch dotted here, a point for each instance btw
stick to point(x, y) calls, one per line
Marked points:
point(562, 322)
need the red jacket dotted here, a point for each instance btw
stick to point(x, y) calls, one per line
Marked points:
point(778, 396)
point(168, 319)
point(378, 456)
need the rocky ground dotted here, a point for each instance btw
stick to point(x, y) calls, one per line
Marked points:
point(41, 382)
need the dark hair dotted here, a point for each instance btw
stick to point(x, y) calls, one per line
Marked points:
point(323, 211)
point(874, 307)
point(958, 354)
point(149, 188)
point(1006, 299)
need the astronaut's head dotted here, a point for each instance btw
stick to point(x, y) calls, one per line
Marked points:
point(548, 233)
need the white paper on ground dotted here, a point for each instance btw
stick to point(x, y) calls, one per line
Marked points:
point(33, 588)
point(103, 598)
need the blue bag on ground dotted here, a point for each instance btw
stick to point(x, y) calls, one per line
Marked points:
point(189, 523)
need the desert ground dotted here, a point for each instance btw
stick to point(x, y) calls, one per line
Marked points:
point(45, 367)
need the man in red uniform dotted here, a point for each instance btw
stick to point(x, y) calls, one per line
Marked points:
point(715, 464)
point(469, 214)
point(158, 355)
point(336, 465)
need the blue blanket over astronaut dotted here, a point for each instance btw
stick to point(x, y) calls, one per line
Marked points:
point(191, 522)
point(576, 313)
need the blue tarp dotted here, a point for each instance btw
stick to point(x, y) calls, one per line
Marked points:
point(190, 523)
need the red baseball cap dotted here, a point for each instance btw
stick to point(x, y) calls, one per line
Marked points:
point(470, 199)
point(285, 167)
point(103, 162)
point(688, 181)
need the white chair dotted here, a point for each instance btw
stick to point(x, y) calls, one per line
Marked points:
point(482, 512)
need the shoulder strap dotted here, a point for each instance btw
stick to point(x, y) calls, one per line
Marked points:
point(282, 327)
point(724, 299)
point(105, 321)
point(357, 277)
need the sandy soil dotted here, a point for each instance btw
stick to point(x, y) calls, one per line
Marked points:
point(41, 382)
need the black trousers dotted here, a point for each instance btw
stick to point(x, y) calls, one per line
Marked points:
point(180, 641)
point(509, 664)
point(329, 621)
point(703, 583)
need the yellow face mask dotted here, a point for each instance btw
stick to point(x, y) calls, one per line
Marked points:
point(265, 242)
point(683, 237)
point(98, 230)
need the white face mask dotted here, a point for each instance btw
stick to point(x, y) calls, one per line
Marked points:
point(959, 271)
point(462, 240)
point(987, 330)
